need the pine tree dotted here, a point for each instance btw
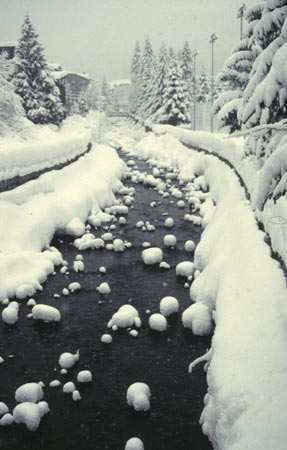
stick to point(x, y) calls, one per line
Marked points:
point(136, 69)
point(146, 77)
point(158, 84)
point(33, 80)
point(186, 65)
point(203, 87)
point(264, 102)
point(235, 75)
point(176, 99)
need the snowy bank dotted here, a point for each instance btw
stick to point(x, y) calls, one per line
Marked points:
point(245, 291)
point(40, 147)
point(268, 198)
point(31, 214)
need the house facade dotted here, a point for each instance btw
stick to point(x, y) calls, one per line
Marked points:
point(72, 86)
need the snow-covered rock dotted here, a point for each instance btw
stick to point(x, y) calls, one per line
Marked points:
point(185, 269)
point(46, 313)
point(119, 246)
point(29, 392)
point(189, 246)
point(30, 414)
point(69, 387)
point(85, 376)
point(157, 322)
point(3, 408)
point(197, 317)
point(168, 305)
point(75, 286)
point(138, 395)
point(151, 256)
point(164, 265)
point(106, 339)
point(6, 420)
point(134, 443)
point(169, 222)
point(76, 396)
point(68, 360)
point(104, 288)
point(78, 266)
point(10, 313)
point(125, 317)
point(55, 383)
point(169, 240)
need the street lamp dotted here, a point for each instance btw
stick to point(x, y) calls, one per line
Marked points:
point(212, 39)
point(240, 16)
point(194, 55)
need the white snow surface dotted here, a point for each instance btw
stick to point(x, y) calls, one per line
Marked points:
point(43, 206)
point(245, 291)
point(40, 147)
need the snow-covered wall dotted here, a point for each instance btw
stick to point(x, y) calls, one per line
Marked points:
point(40, 147)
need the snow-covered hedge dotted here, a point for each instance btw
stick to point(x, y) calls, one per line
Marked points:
point(39, 147)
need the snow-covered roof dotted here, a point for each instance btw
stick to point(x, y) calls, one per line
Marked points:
point(116, 83)
point(59, 74)
point(8, 44)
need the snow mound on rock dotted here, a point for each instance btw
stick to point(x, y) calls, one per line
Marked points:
point(30, 414)
point(151, 256)
point(197, 317)
point(29, 392)
point(168, 305)
point(138, 395)
point(125, 317)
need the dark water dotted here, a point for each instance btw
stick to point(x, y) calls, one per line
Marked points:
point(102, 420)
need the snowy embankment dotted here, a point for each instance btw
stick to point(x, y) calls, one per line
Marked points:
point(40, 147)
point(259, 180)
point(59, 200)
point(245, 291)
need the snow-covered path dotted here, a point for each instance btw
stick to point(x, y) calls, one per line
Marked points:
point(159, 359)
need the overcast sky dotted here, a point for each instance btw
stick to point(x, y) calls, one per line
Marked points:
point(98, 36)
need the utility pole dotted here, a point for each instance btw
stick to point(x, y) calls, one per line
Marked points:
point(212, 39)
point(194, 54)
point(240, 15)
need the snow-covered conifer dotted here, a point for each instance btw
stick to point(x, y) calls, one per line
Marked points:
point(186, 65)
point(146, 77)
point(158, 85)
point(136, 69)
point(33, 80)
point(235, 75)
point(203, 87)
point(265, 97)
point(175, 109)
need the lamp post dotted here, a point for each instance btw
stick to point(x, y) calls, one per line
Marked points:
point(240, 15)
point(194, 54)
point(212, 39)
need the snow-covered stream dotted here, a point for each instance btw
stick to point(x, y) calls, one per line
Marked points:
point(102, 419)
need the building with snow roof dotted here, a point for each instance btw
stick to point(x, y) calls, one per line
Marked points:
point(9, 48)
point(72, 85)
